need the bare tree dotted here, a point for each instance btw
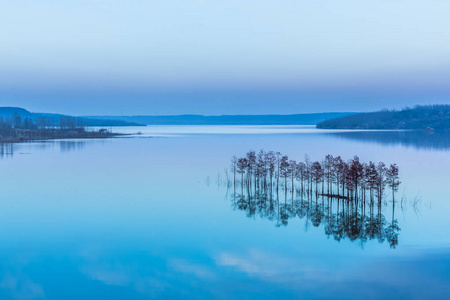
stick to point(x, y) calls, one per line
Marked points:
point(278, 161)
point(316, 173)
point(393, 179)
point(284, 169)
point(356, 173)
point(270, 163)
point(381, 179)
point(241, 167)
point(292, 170)
point(328, 166)
point(234, 161)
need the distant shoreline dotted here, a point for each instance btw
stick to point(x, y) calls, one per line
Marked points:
point(45, 135)
point(421, 117)
point(292, 119)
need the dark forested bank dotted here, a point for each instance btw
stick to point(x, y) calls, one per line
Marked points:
point(20, 129)
point(428, 117)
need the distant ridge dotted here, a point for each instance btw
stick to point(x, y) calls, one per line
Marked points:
point(7, 112)
point(294, 119)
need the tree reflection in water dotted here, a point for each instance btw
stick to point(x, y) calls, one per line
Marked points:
point(342, 219)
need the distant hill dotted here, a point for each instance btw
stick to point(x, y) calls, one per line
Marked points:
point(419, 117)
point(54, 119)
point(296, 119)
point(8, 111)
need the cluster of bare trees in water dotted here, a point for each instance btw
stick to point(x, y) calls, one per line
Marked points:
point(332, 177)
point(344, 196)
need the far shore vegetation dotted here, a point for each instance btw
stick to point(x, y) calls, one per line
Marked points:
point(18, 129)
point(421, 117)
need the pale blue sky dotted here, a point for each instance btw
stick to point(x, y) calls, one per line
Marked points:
point(213, 57)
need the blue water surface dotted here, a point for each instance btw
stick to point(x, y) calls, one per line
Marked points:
point(148, 216)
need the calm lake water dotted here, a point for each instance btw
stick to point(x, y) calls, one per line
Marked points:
point(147, 216)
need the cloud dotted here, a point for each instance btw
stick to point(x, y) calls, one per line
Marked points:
point(269, 266)
point(107, 276)
point(21, 288)
point(124, 276)
point(198, 270)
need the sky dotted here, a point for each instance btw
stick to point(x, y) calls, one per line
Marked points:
point(111, 57)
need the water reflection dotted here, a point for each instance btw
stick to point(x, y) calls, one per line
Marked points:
point(6, 149)
point(417, 139)
point(360, 221)
point(64, 146)
point(131, 219)
point(68, 146)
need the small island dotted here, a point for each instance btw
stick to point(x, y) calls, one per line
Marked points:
point(422, 117)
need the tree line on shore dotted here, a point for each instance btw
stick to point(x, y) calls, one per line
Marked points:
point(19, 122)
point(429, 117)
point(17, 128)
point(332, 177)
